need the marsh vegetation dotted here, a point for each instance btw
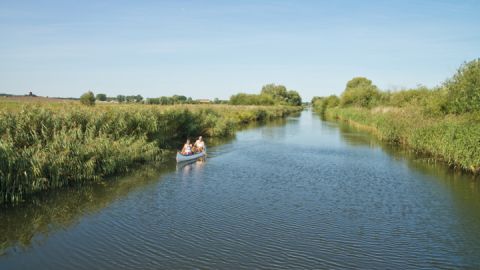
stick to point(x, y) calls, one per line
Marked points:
point(443, 122)
point(47, 146)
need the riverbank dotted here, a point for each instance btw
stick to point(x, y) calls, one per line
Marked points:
point(453, 139)
point(45, 147)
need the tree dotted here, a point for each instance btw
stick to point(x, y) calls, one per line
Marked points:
point(463, 90)
point(315, 98)
point(360, 92)
point(88, 98)
point(121, 98)
point(153, 101)
point(176, 99)
point(165, 100)
point(277, 92)
point(138, 98)
point(293, 98)
point(251, 99)
point(101, 97)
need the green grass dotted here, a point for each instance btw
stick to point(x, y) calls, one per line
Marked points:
point(454, 139)
point(45, 146)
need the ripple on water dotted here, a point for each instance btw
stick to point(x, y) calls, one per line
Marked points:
point(296, 196)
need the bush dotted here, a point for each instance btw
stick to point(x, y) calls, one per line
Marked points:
point(88, 99)
point(322, 104)
point(464, 89)
point(360, 92)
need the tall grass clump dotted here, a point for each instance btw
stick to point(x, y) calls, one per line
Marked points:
point(45, 147)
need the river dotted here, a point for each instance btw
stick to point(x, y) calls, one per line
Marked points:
point(299, 193)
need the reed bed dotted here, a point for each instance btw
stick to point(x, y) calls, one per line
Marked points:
point(44, 147)
point(454, 139)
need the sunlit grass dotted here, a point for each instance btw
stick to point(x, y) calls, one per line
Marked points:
point(48, 145)
point(454, 139)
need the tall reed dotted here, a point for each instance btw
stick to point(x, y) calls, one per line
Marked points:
point(454, 139)
point(45, 147)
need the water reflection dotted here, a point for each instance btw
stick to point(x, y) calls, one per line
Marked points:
point(44, 214)
point(416, 161)
point(463, 187)
point(301, 194)
point(27, 224)
point(194, 166)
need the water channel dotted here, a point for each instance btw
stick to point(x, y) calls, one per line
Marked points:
point(299, 193)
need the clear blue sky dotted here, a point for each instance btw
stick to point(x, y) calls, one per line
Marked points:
point(208, 49)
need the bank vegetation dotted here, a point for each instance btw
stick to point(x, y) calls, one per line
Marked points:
point(45, 146)
point(442, 122)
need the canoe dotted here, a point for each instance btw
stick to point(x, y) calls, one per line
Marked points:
point(181, 158)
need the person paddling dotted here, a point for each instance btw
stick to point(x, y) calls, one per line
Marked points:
point(200, 144)
point(187, 149)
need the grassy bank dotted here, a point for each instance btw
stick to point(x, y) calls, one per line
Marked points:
point(443, 122)
point(45, 146)
point(454, 139)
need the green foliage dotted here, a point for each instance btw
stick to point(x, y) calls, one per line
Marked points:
point(176, 99)
point(453, 139)
point(121, 98)
point(314, 99)
point(251, 99)
point(322, 104)
point(277, 92)
point(360, 92)
point(153, 101)
point(464, 89)
point(101, 97)
point(442, 122)
point(88, 98)
point(170, 100)
point(129, 99)
point(44, 147)
point(271, 94)
point(293, 98)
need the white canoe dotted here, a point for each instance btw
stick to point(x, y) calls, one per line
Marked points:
point(181, 158)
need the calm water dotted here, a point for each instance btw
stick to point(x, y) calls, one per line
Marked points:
point(299, 194)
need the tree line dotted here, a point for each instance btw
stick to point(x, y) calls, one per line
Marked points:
point(89, 98)
point(270, 94)
point(457, 95)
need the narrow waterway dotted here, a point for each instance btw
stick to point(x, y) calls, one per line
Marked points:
point(302, 193)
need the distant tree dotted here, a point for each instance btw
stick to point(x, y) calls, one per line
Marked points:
point(293, 98)
point(277, 92)
point(251, 99)
point(88, 98)
point(121, 98)
point(315, 99)
point(360, 92)
point(176, 99)
point(101, 97)
point(153, 101)
point(165, 100)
